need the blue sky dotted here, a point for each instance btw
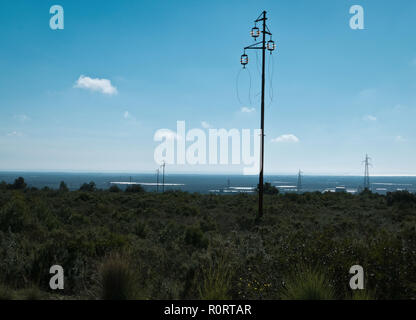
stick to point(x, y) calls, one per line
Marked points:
point(341, 92)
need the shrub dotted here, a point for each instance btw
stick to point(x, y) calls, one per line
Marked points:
point(140, 229)
point(308, 284)
point(32, 293)
point(135, 188)
point(19, 184)
point(89, 187)
point(14, 215)
point(216, 281)
point(195, 237)
point(114, 188)
point(401, 197)
point(117, 278)
point(63, 187)
point(5, 293)
point(268, 188)
point(3, 185)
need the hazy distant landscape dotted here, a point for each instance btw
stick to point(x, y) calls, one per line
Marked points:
point(213, 183)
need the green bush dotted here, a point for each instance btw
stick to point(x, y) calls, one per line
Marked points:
point(216, 281)
point(5, 293)
point(88, 187)
point(19, 184)
point(114, 188)
point(308, 284)
point(117, 278)
point(31, 293)
point(63, 187)
point(135, 188)
point(195, 237)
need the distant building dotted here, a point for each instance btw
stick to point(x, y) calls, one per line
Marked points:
point(340, 189)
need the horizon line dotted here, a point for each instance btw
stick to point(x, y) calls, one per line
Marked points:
point(200, 173)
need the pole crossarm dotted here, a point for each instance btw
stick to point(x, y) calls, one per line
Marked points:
point(253, 47)
point(261, 17)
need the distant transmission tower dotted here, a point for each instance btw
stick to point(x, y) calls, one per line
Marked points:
point(367, 172)
point(299, 184)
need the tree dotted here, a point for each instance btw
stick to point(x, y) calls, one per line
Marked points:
point(269, 189)
point(114, 188)
point(19, 184)
point(63, 187)
point(89, 187)
point(3, 185)
point(135, 188)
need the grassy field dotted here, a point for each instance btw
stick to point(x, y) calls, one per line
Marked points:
point(133, 244)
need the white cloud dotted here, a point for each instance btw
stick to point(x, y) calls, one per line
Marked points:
point(205, 125)
point(127, 115)
point(247, 110)
point(22, 117)
point(102, 85)
point(286, 138)
point(370, 118)
point(14, 134)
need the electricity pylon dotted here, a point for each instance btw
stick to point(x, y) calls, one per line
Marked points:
point(299, 184)
point(367, 172)
point(270, 45)
point(157, 179)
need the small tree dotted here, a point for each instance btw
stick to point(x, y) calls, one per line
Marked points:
point(3, 185)
point(63, 187)
point(19, 184)
point(269, 189)
point(114, 188)
point(135, 188)
point(89, 187)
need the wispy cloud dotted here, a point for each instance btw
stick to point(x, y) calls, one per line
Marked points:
point(14, 134)
point(127, 115)
point(95, 84)
point(21, 117)
point(247, 110)
point(130, 118)
point(369, 118)
point(205, 125)
point(286, 138)
point(400, 139)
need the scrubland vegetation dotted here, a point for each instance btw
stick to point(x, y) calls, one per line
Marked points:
point(132, 244)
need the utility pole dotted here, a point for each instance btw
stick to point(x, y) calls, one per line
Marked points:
point(270, 45)
point(157, 180)
point(367, 172)
point(163, 179)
